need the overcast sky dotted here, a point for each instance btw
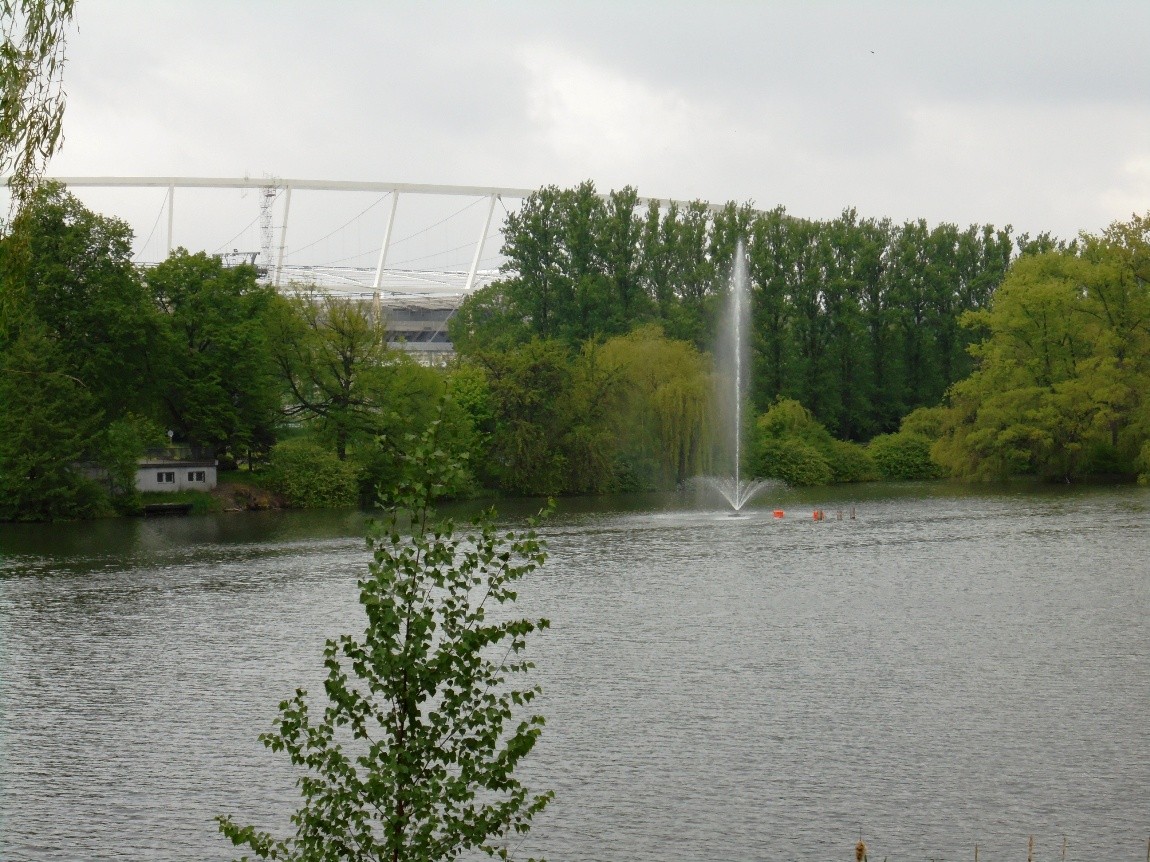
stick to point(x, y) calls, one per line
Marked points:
point(1035, 114)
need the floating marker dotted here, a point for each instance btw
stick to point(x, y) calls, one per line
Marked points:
point(778, 513)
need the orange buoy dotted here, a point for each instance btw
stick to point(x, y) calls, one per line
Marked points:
point(778, 513)
point(818, 515)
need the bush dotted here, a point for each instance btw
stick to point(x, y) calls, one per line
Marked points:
point(1103, 459)
point(794, 461)
point(903, 456)
point(307, 476)
point(849, 462)
point(788, 418)
point(927, 421)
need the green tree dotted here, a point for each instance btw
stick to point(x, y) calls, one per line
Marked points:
point(692, 275)
point(77, 332)
point(215, 365)
point(47, 424)
point(488, 319)
point(903, 456)
point(591, 444)
point(1060, 388)
point(846, 405)
point(539, 289)
point(334, 359)
point(530, 389)
point(768, 265)
point(792, 445)
point(308, 476)
point(354, 394)
point(621, 235)
point(118, 449)
point(70, 271)
point(414, 757)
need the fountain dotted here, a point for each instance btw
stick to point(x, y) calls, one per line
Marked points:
point(731, 357)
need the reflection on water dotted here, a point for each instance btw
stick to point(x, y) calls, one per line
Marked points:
point(950, 667)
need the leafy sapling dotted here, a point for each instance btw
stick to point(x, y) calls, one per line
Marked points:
point(414, 756)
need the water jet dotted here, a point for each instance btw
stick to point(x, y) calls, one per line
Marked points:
point(732, 375)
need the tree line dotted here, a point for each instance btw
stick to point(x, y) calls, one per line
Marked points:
point(856, 318)
point(587, 367)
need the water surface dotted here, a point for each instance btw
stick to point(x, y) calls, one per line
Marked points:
point(950, 667)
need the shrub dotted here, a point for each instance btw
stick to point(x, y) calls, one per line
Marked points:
point(307, 476)
point(788, 418)
point(849, 462)
point(1103, 459)
point(927, 421)
point(903, 456)
point(794, 461)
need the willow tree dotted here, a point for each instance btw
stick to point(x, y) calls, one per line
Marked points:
point(31, 89)
point(663, 421)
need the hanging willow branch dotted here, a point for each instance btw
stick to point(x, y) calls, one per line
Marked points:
point(31, 89)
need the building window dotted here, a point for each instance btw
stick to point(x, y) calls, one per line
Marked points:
point(197, 476)
point(165, 478)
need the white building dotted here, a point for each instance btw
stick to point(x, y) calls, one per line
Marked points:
point(175, 475)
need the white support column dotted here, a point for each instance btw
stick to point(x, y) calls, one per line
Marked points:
point(171, 215)
point(386, 243)
point(283, 236)
point(479, 246)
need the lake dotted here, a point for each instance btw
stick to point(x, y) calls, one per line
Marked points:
point(952, 666)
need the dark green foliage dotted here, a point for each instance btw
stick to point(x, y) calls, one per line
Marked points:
point(554, 419)
point(69, 273)
point(308, 476)
point(487, 320)
point(215, 368)
point(47, 424)
point(574, 273)
point(530, 400)
point(76, 327)
point(118, 449)
point(792, 445)
point(904, 455)
point(415, 408)
point(414, 757)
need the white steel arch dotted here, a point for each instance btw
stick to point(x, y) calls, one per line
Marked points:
point(445, 282)
point(493, 193)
